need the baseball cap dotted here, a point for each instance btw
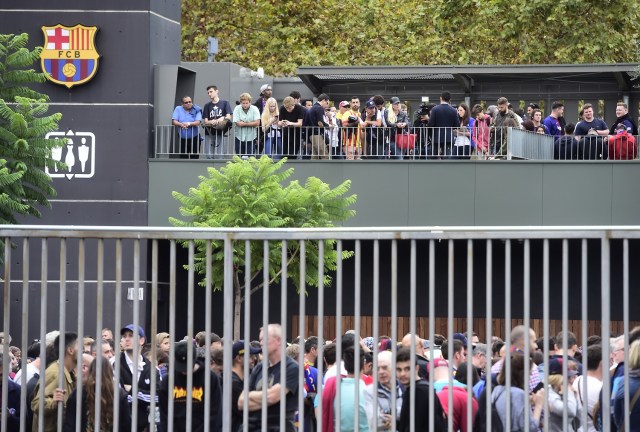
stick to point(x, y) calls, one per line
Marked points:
point(394, 100)
point(345, 104)
point(265, 87)
point(182, 352)
point(438, 362)
point(555, 368)
point(238, 349)
point(462, 338)
point(370, 104)
point(131, 328)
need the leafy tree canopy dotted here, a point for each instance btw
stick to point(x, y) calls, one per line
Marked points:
point(282, 36)
point(24, 122)
point(251, 194)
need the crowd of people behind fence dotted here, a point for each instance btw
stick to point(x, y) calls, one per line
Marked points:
point(380, 129)
point(454, 366)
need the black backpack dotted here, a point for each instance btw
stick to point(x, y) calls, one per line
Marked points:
point(480, 423)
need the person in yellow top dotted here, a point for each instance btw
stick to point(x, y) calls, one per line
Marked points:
point(54, 395)
point(352, 133)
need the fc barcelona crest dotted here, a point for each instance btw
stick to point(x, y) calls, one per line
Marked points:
point(69, 55)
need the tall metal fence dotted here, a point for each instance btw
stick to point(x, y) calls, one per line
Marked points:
point(411, 143)
point(594, 279)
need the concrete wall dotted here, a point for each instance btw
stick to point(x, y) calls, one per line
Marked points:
point(484, 193)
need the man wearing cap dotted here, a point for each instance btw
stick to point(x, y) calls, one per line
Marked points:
point(372, 122)
point(272, 383)
point(237, 381)
point(265, 93)
point(183, 368)
point(440, 369)
point(343, 107)
point(315, 123)
point(140, 368)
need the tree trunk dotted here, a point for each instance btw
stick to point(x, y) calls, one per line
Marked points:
point(237, 305)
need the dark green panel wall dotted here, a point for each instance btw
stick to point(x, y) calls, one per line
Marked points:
point(445, 193)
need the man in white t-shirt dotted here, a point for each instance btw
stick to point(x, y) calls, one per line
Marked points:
point(593, 380)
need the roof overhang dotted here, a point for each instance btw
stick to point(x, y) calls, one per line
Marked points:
point(318, 77)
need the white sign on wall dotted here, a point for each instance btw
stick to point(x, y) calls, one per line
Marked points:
point(78, 154)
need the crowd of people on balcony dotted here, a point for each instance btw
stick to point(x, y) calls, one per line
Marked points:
point(455, 368)
point(378, 129)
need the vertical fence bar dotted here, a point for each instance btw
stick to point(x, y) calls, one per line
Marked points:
point(62, 305)
point(5, 329)
point(356, 372)
point(565, 329)
point(265, 327)
point(25, 326)
point(432, 323)
point(228, 335)
point(207, 344)
point(44, 278)
point(450, 329)
point(489, 327)
point(190, 317)
point(172, 331)
point(99, 322)
point(527, 326)
point(154, 331)
point(625, 323)
point(412, 326)
point(376, 331)
point(136, 333)
point(469, 330)
point(247, 338)
point(606, 327)
point(507, 327)
point(80, 360)
point(303, 327)
point(545, 323)
point(584, 329)
point(302, 332)
point(394, 315)
point(283, 323)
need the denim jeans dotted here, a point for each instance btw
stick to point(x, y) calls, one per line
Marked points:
point(214, 146)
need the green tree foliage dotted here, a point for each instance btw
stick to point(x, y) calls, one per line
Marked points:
point(251, 194)
point(282, 36)
point(24, 185)
point(23, 125)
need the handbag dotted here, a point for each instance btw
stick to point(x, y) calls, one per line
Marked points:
point(405, 141)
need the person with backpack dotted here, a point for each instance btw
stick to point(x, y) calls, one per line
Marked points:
point(519, 391)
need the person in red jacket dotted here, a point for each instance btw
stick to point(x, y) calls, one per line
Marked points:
point(622, 145)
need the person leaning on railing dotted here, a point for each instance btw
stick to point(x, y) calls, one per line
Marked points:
point(398, 123)
point(315, 124)
point(246, 117)
point(187, 117)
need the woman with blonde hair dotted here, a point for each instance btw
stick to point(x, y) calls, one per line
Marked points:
point(557, 394)
point(110, 394)
point(271, 129)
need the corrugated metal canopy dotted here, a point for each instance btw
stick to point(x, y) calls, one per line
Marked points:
point(319, 77)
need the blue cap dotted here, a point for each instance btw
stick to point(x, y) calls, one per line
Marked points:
point(131, 328)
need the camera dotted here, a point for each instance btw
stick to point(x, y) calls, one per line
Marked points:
point(425, 109)
point(352, 119)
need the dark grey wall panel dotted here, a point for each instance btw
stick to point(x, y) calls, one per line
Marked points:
point(577, 194)
point(506, 195)
point(436, 197)
point(449, 192)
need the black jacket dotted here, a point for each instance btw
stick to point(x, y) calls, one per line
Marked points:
point(144, 387)
point(198, 402)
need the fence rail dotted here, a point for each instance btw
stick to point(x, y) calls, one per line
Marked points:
point(416, 280)
point(413, 143)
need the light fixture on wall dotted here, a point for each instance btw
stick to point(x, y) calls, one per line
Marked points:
point(248, 73)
